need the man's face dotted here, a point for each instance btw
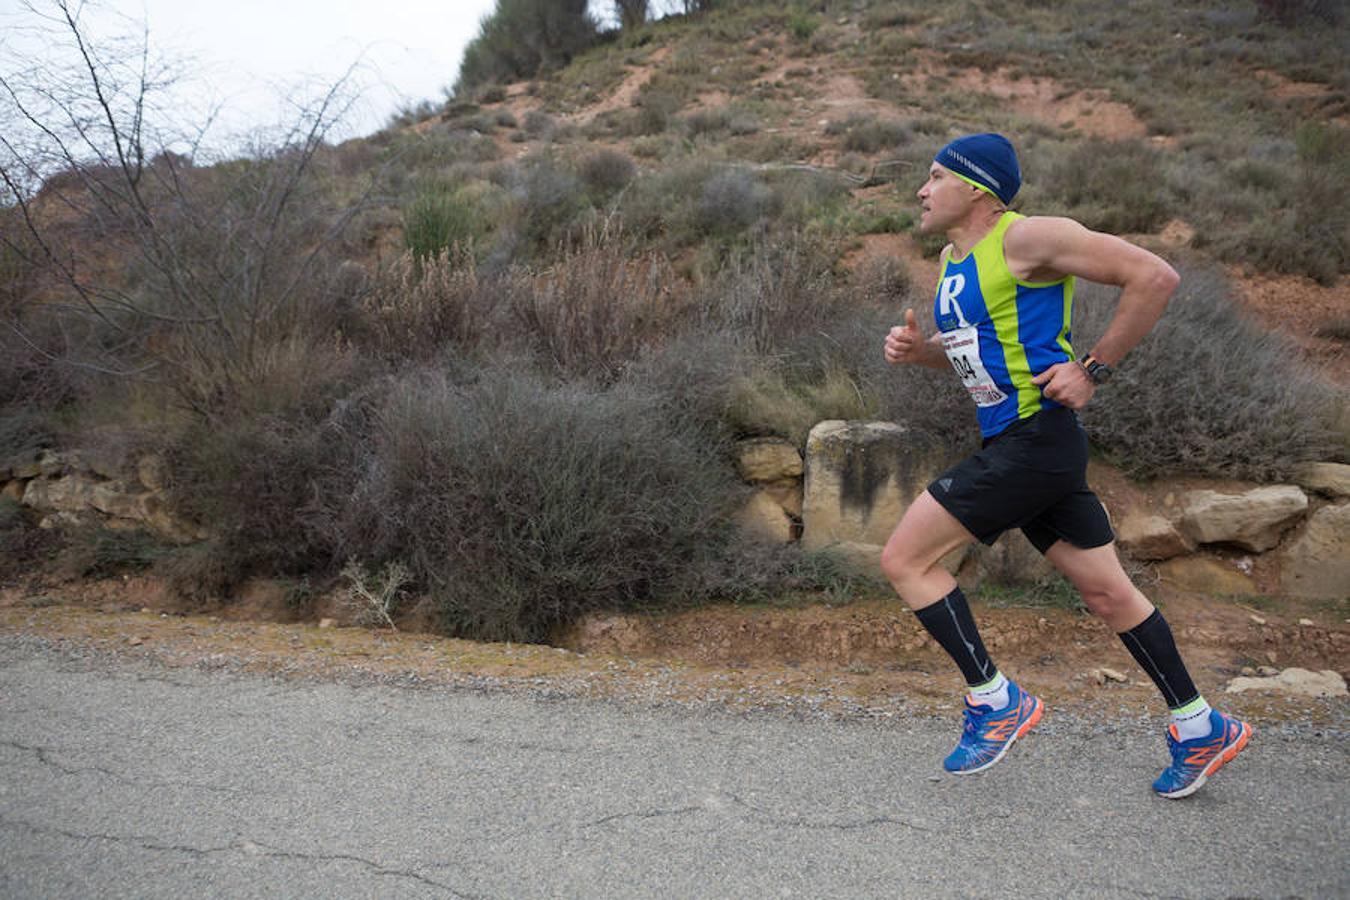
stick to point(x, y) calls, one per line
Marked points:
point(945, 199)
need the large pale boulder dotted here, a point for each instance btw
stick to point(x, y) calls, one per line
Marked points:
point(1144, 536)
point(1331, 479)
point(763, 460)
point(1317, 562)
point(1206, 576)
point(860, 479)
point(1254, 519)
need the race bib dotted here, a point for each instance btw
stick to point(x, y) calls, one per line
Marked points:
point(962, 346)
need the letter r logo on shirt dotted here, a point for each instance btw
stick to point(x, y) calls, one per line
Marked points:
point(951, 287)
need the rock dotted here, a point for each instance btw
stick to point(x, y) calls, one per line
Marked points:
point(113, 498)
point(763, 519)
point(1329, 478)
point(327, 623)
point(1302, 682)
point(24, 466)
point(1205, 575)
point(1151, 537)
point(71, 493)
point(787, 494)
point(152, 472)
point(13, 490)
point(51, 464)
point(1253, 520)
point(1248, 670)
point(1103, 675)
point(1266, 670)
point(768, 459)
point(860, 479)
point(1317, 562)
point(1257, 619)
point(1306, 623)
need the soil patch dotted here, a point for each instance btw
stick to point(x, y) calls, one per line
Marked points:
point(865, 658)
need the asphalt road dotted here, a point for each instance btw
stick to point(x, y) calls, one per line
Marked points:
point(123, 779)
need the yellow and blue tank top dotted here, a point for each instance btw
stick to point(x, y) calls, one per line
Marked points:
point(1000, 332)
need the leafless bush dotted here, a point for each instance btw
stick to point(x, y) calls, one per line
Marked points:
point(595, 310)
point(415, 310)
point(373, 598)
point(1209, 391)
point(519, 504)
point(211, 263)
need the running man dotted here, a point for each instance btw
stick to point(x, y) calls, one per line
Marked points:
point(1003, 313)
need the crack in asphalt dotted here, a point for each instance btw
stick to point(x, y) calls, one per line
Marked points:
point(771, 818)
point(44, 756)
point(654, 814)
point(246, 847)
point(776, 819)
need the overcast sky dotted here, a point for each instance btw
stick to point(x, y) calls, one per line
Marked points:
point(246, 54)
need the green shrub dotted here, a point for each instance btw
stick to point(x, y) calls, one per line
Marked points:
point(654, 111)
point(521, 38)
point(731, 201)
point(1112, 186)
point(519, 505)
point(1208, 392)
point(437, 220)
point(870, 135)
point(802, 26)
point(606, 172)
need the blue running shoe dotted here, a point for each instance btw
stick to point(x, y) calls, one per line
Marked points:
point(989, 732)
point(1195, 760)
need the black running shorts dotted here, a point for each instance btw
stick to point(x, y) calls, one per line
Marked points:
point(1033, 476)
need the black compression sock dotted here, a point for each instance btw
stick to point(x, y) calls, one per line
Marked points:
point(1152, 646)
point(950, 623)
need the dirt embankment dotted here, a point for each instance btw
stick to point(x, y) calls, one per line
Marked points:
point(865, 658)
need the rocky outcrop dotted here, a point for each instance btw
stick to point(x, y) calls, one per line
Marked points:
point(768, 460)
point(1317, 562)
point(1328, 478)
point(80, 488)
point(1327, 683)
point(1253, 520)
point(764, 519)
point(1151, 537)
point(774, 511)
point(1205, 575)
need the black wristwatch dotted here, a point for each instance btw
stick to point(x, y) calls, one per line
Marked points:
point(1098, 371)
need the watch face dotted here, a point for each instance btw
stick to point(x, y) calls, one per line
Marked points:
point(1100, 372)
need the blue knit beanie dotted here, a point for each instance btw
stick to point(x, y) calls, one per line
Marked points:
point(985, 160)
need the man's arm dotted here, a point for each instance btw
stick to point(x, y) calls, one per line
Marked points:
point(1046, 248)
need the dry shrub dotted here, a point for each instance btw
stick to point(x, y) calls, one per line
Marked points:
point(520, 504)
point(596, 310)
point(1208, 392)
point(416, 310)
